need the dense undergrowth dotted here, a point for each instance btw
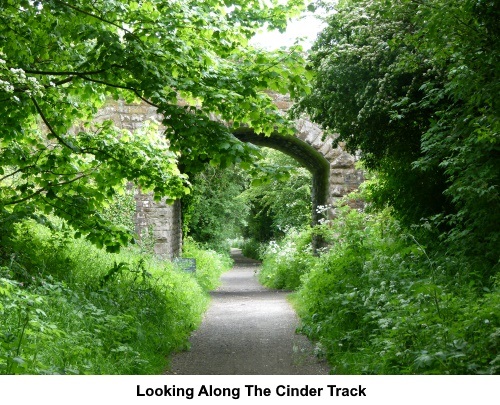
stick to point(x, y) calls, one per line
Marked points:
point(67, 307)
point(380, 301)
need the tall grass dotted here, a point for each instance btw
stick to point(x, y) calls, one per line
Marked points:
point(209, 263)
point(67, 307)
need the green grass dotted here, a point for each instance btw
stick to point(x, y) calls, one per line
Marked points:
point(67, 307)
point(209, 264)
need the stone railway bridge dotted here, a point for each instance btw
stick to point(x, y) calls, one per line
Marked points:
point(333, 170)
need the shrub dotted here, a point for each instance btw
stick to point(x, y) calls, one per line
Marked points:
point(287, 260)
point(209, 264)
point(381, 302)
point(252, 248)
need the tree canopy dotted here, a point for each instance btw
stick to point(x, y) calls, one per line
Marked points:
point(212, 213)
point(59, 63)
point(414, 85)
point(278, 205)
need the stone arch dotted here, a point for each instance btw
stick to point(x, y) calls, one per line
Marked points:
point(303, 153)
point(333, 169)
point(343, 176)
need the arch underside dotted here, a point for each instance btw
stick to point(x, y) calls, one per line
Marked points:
point(305, 154)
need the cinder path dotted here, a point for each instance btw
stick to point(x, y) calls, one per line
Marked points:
point(248, 329)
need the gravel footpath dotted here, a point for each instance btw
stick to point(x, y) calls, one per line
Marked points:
point(248, 329)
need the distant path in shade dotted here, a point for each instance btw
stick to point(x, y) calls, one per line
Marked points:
point(248, 329)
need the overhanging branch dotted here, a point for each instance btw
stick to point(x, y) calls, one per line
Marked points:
point(79, 10)
point(52, 131)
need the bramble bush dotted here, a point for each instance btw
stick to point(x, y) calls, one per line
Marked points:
point(379, 301)
point(67, 307)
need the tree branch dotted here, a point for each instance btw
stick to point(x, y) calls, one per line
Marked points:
point(119, 86)
point(24, 199)
point(79, 10)
point(50, 73)
point(47, 123)
point(15, 172)
point(41, 190)
point(64, 81)
point(278, 60)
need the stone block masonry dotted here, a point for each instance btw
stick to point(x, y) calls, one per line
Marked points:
point(160, 223)
point(156, 223)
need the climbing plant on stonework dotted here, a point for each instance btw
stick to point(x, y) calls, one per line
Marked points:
point(61, 60)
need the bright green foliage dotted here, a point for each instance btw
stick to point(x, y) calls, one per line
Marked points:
point(212, 213)
point(209, 264)
point(287, 260)
point(414, 85)
point(59, 63)
point(224, 203)
point(278, 204)
point(379, 302)
point(252, 248)
point(67, 307)
point(121, 209)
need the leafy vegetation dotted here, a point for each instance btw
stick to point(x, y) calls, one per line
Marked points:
point(252, 248)
point(209, 263)
point(379, 302)
point(227, 203)
point(411, 285)
point(278, 204)
point(287, 260)
point(414, 86)
point(61, 61)
point(67, 307)
point(212, 213)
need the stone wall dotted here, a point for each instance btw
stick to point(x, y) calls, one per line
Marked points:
point(343, 177)
point(161, 222)
point(153, 220)
point(128, 116)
